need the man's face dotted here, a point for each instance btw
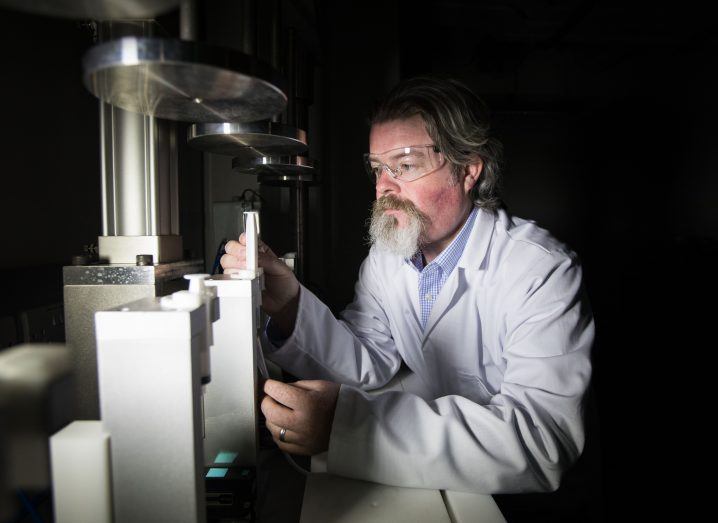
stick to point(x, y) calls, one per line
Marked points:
point(437, 201)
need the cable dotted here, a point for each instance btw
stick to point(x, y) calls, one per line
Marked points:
point(29, 507)
point(218, 256)
point(253, 193)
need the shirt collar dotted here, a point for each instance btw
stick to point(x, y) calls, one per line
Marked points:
point(449, 257)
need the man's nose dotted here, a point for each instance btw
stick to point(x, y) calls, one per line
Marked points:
point(385, 184)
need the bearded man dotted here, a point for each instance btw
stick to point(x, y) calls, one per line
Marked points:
point(486, 311)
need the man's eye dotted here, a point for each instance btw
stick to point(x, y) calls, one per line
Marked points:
point(407, 167)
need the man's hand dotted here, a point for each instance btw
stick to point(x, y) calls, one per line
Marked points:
point(305, 409)
point(280, 297)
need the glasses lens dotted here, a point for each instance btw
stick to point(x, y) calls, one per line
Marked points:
point(416, 162)
point(413, 163)
point(406, 163)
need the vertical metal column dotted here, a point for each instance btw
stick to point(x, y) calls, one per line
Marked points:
point(140, 213)
point(300, 194)
point(189, 27)
point(296, 115)
point(139, 176)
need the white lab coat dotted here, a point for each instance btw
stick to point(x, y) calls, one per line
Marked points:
point(503, 362)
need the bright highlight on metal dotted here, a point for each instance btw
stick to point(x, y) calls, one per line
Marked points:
point(95, 9)
point(183, 81)
point(265, 138)
point(280, 170)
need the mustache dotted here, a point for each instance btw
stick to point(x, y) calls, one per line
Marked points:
point(391, 202)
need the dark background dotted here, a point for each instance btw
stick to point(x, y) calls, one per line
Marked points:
point(607, 112)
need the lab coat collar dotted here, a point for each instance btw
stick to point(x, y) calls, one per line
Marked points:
point(477, 245)
point(470, 262)
point(449, 257)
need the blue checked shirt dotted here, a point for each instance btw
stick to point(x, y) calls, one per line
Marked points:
point(433, 276)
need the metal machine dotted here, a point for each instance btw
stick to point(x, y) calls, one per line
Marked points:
point(139, 344)
point(150, 374)
point(140, 248)
point(231, 409)
point(178, 380)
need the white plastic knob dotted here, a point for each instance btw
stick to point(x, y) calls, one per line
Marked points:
point(182, 300)
point(196, 283)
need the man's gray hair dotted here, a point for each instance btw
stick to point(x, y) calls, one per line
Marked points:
point(457, 121)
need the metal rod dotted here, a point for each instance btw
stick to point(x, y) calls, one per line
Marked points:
point(291, 73)
point(106, 221)
point(275, 45)
point(152, 200)
point(300, 195)
point(188, 20)
point(174, 179)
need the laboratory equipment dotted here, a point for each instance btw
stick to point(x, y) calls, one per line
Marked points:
point(247, 139)
point(81, 477)
point(231, 408)
point(281, 167)
point(140, 218)
point(228, 219)
point(91, 288)
point(150, 376)
point(276, 170)
point(231, 490)
point(183, 81)
point(97, 9)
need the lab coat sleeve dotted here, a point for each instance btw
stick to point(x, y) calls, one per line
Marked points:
point(357, 350)
point(518, 441)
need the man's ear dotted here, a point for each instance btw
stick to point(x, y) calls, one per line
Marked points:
point(471, 174)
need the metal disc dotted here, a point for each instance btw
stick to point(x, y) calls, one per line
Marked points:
point(277, 170)
point(248, 139)
point(96, 9)
point(185, 81)
point(276, 180)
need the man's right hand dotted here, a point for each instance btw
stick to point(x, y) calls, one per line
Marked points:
point(281, 294)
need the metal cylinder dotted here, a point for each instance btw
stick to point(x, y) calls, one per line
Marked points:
point(300, 193)
point(189, 22)
point(139, 174)
point(139, 163)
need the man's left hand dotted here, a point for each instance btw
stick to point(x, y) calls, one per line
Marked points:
point(305, 409)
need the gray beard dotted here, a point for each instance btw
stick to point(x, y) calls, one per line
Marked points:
point(385, 233)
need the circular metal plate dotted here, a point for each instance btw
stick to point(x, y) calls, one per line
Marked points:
point(96, 9)
point(276, 170)
point(248, 139)
point(184, 81)
point(275, 180)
